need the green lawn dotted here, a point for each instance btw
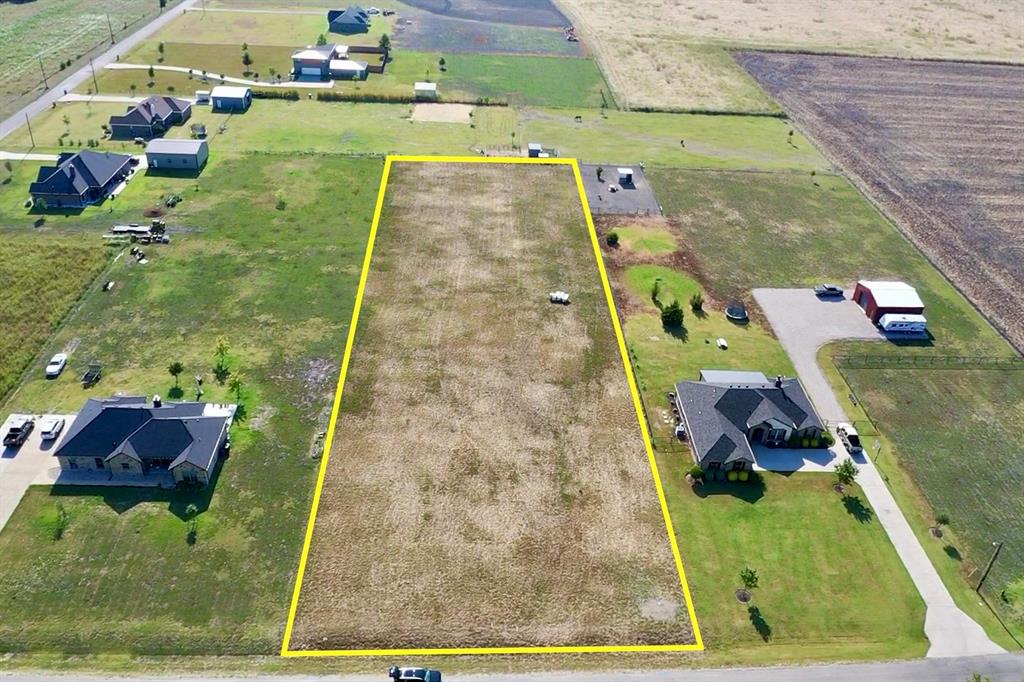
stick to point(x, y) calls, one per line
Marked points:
point(52, 134)
point(763, 230)
point(727, 142)
point(535, 81)
point(972, 472)
point(294, 30)
point(277, 280)
point(41, 278)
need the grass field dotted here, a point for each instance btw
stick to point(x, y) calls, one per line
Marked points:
point(45, 33)
point(41, 277)
point(540, 519)
point(973, 471)
point(812, 586)
point(279, 285)
point(658, 54)
point(793, 230)
point(285, 30)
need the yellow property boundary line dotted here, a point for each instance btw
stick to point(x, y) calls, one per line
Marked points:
point(285, 650)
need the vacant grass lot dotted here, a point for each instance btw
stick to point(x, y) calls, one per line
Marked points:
point(69, 127)
point(974, 471)
point(659, 139)
point(817, 562)
point(276, 278)
point(286, 30)
point(54, 31)
point(540, 519)
point(795, 230)
point(41, 277)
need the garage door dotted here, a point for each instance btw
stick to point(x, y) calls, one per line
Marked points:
point(310, 71)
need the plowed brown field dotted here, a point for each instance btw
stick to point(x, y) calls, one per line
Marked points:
point(938, 145)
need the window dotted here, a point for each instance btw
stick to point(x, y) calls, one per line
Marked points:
point(99, 462)
point(776, 435)
point(72, 463)
point(126, 466)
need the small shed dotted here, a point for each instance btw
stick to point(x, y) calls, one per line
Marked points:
point(424, 90)
point(164, 154)
point(625, 176)
point(535, 149)
point(202, 96)
point(231, 98)
point(880, 298)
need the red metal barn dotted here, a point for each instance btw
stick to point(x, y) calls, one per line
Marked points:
point(880, 298)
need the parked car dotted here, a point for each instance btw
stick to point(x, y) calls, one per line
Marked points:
point(51, 427)
point(18, 432)
point(828, 290)
point(850, 438)
point(56, 365)
point(414, 674)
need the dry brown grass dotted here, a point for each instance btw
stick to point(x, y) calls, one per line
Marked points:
point(488, 484)
point(662, 53)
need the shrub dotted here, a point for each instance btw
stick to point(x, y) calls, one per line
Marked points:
point(827, 439)
point(744, 476)
point(613, 239)
point(805, 442)
point(696, 471)
point(292, 95)
point(697, 302)
point(672, 315)
point(732, 476)
point(748, 577)
point(942, 519)
point(815, 443)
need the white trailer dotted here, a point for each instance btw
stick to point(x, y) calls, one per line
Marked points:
point(903, 322)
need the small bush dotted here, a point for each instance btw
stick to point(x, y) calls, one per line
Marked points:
point(672, 315)
point(696, 471)
point(815, 443)
point(613, 239)
point(805, 443)
point(732, 476)
point(942, 519)
point(827, 439)
point(744, 476)
point(697, 302)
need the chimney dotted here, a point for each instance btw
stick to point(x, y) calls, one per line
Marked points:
point(778, 381)
point(157, 402)
point(71, 170)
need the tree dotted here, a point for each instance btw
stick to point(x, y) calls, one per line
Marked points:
point(846, 472)
point(163, 3)
point(8, 167)
point(385, 42)
point(151, 72)
point(697, 302)
point(613, 239)
point(441, 62)
point(942, 519)
point(132, 88)
point(245, 47)
point(321, 39)
point(174, 369)
point(67, 122)
point(222, 351)
point(600, 172)
point(160, 48)
point(236, 386)
point(656, 291)
point(191, 512)
point(672, 315)
point(748, 577)
point(246, 60)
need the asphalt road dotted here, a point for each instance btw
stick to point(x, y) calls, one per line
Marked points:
point(47, 99)
point(999, 668)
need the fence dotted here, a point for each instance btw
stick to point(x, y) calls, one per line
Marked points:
point(928, 362)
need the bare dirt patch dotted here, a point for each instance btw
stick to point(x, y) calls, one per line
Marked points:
point(487, 484)
point(443, 113)
point(940, 152)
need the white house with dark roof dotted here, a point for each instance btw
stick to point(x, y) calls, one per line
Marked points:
point(726, 411)
point(129, 437)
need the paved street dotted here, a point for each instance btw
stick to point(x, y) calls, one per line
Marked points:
point(1002, 668)
point(72, 81)
point(803, 323)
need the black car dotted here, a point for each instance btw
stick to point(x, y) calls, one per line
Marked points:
point(18, 433)
point(828, 290)
point(414, 674)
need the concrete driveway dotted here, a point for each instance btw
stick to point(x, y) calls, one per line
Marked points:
point(803, 323)
point(804, 460)
point(21, 467)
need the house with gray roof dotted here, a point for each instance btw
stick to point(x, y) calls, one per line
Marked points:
point(131, 439)
point(150, 118)
point(726, 411)
point(353, 19)
point(79, 179)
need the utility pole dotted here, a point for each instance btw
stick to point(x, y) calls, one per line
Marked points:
point(998, 546)
point(94, 83)
point(44, 72)
point(30, 136)
point(109, 28)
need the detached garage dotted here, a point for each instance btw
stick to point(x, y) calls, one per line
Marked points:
point(164, 154)
point(884, 298)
